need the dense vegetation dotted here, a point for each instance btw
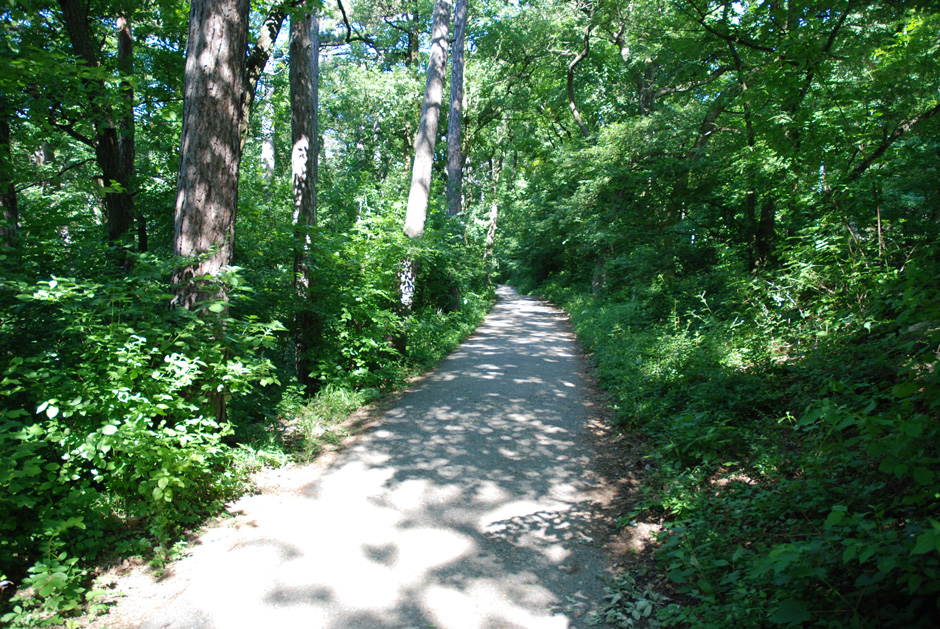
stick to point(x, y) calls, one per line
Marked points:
point(736, 201)
point(747, 243)
point(111, 439)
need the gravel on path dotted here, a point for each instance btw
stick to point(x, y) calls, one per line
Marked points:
point(471, 504)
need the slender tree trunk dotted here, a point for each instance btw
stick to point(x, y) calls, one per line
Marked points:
point(126, 145)
point(118, 197)
point(268, 152)
point(44, 158)
point(572, 104)
point(413, 40)
point(455, 115)
point(680, 189)
point(258, 58)
point(416, 213)
point(11, 216)
point(495, 171)
point(207, 192)
point(304, 96)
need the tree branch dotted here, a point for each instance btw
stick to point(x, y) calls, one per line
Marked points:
point(350, 30)
point(729, 37)
point(891, 139)
point(58, 174)
point(258, 59)
point(70, 130)
point(827, 47)
point(572, 105)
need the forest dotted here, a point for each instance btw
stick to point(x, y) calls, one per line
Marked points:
point(227, 224)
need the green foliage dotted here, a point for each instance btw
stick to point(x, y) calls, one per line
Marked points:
point(107, 419)
point(793, 424)
point(762, 306)
point(630, 605)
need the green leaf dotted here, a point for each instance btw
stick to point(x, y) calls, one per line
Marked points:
point(923, 475)
point(905, 389)
point(791, 611)
point(838, 512)
point(217, 307)
point(926, 542)
point(110, 429)
point(677, 576)
point(52, 411)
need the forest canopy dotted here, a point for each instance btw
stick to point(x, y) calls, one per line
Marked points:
point(736, 202)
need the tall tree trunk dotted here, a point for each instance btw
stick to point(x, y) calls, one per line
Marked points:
point(210, 153)
point(207, 192)
point(495, 170)
point(11, 216)
point(416, 214)
point(268, 150)
point(413, 39)
point(759, 230)
point(455, 115)
point(118, 197)
point(304, 96)
point(126, 146)
point(417, 210)
point(44, 158)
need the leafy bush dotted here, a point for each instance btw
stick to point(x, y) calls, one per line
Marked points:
point(793, 426)
point(107, 419)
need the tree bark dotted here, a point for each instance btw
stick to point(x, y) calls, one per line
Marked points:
point(118, 197)
point(207, 192)
point(455, 114)
point(495, 170)
point(304, 96)
point(572, 104)
point(416, 213)
point(11, 216)
point(126, 145)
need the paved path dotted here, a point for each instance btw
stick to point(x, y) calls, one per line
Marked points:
point(466, 507)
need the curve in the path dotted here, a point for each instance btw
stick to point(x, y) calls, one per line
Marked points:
point(467, 507)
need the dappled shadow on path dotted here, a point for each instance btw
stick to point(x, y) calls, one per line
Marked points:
point(468, 506)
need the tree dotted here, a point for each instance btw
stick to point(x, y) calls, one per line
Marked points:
point(416, 212)
point(304, 97)
point(258, 58)
point(11, 217)
point(109, 145)
point(455, 114)
point(418, 194)
point(126, 145)
point(572, 103)
point(210, 148)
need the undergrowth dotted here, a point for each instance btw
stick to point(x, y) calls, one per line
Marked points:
point(794, 438)
point(109, 446)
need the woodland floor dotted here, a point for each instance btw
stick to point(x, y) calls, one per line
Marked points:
point(484, 496)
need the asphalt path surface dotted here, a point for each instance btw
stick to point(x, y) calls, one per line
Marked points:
point(467, 506)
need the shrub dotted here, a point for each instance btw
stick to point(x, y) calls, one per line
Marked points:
point(107, 419)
